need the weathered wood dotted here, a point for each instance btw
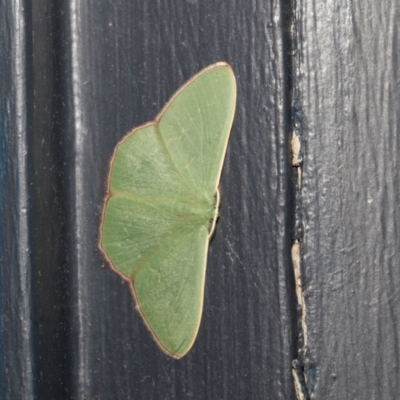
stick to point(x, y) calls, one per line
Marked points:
point(348, 85)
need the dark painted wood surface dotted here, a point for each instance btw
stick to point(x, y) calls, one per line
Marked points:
point(76, 76)
point(16, 351)
point(349, 90)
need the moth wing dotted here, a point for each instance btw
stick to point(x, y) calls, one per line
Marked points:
point(195, 126)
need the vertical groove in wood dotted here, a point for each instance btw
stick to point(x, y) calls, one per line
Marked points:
point(50, 156)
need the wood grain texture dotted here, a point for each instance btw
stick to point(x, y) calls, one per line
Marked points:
point(93, 71)
point(349, 89)
point(16, 347)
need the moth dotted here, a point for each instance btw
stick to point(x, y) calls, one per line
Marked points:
point(162, 204)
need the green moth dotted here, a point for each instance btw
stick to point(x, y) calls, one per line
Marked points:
point(162, 205)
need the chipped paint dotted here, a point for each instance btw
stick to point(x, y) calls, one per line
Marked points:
point(297, 386)
point(300, 365)
point(296, 260)
point(295, 145)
